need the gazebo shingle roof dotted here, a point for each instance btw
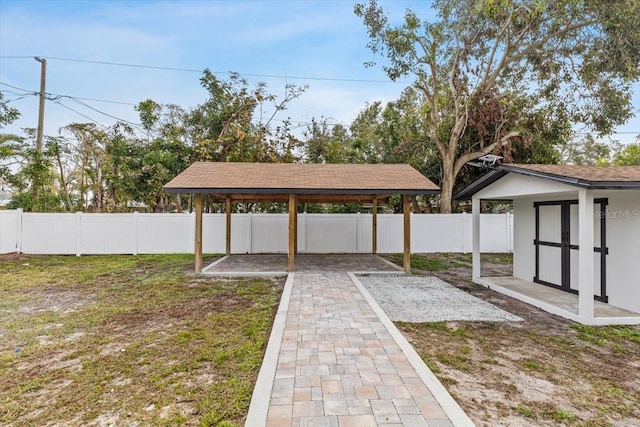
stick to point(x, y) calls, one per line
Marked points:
point(300, 178)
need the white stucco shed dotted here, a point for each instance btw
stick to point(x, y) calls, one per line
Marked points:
point(576, 249)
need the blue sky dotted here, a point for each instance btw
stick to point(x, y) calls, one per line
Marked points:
point(317, 40)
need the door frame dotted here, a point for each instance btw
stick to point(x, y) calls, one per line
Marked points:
point(566, 247)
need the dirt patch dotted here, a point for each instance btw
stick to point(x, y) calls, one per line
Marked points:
point(56, 300)
point(543, 371)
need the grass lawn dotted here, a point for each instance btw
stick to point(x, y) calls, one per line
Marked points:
point(128, 340)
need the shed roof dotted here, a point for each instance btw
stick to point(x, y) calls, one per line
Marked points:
point(584, 176)
point(300, 178)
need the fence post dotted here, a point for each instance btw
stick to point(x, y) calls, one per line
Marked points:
point(135, 232)
point(357, 227)
point(78, 233)
point(250, 235)
point(465, 232)
point(19, 212)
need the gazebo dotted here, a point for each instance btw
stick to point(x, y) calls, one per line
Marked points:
point(295, 183)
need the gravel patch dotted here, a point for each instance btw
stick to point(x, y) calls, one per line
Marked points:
point(419, 299)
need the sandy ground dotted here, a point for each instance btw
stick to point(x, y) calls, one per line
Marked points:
point(543, 371)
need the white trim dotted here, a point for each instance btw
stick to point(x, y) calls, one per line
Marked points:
point(586, 272)
point(261, 397)
point(475, 231)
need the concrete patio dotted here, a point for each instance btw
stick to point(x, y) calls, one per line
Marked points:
point(558, 302)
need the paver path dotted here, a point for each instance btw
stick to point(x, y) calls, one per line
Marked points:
point(339, 365)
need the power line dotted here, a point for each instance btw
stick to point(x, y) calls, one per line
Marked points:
point(54, 96)
point(57, 101)
point(18, 98)
point(16, 87)
point(193, 70)
point(102, 112)
point(28, 92)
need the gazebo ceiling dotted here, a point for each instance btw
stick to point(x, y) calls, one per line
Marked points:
point(310, 182)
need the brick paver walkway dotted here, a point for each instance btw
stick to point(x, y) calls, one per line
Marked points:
point(339, 366)
point(334, 358)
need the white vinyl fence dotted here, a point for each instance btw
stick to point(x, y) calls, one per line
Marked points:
point(141, 233)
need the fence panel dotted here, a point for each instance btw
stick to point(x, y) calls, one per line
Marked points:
point(50, 233)
point(214, 228)
point(364, 231)
point(331, 233)
point(102, 234)
point(390, 233)
point(437, 233)
point(270, 233)
point(166, 233)
point(76, 233)
point(494, 233)
point(9, 229)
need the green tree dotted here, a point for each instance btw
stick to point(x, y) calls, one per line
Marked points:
point(628, 156)
point(166, 152)
point(35, 172)
point(8, 114)
point(10, 144)
point(586, 151)
point(89, 156)
point(236, 121)
point(326, 143)
point(481, 60)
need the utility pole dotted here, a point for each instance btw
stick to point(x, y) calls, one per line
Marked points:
point(43, 80)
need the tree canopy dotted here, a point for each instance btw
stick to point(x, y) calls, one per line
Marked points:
point(509, 77)
point(95, 168)
point(492, 72)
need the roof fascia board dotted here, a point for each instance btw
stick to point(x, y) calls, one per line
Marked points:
point(210, 190)
point(499, 171)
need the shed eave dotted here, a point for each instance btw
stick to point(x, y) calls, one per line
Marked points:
point(497, 172)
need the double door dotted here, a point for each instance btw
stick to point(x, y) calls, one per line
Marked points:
point(556, 245)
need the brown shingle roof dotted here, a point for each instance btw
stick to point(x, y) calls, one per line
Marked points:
point(593, 177)
point(585, 173)
point(300, 178)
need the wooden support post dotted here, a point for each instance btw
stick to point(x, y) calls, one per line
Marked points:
point(374, 225)
point(227, 210)
point(406, 210)
point(292, 231)
point(198, 240)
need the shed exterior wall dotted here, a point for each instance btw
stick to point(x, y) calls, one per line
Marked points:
point(623, 241)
